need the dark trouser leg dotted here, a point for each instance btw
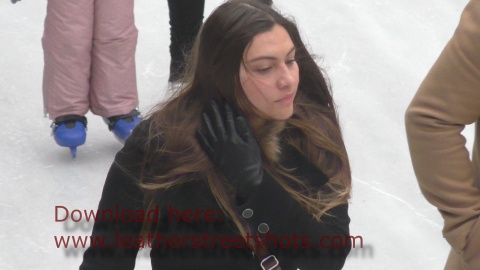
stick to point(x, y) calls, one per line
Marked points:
point(186, 17)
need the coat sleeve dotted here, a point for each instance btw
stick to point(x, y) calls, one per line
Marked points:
point(115, 237)
point(447, 100)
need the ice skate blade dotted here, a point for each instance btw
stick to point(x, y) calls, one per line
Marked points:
point(73, 151)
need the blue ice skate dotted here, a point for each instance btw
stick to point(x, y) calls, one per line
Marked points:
point(122, 125)
point(70, 131)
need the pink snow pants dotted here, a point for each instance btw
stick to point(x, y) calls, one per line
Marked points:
point(89, 50)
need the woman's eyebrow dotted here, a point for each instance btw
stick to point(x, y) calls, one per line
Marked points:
point(267, 57)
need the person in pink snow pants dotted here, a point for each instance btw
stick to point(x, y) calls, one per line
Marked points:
point(89, 50)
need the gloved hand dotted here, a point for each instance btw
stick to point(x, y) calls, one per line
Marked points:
point(15, 1)
point(230, 144)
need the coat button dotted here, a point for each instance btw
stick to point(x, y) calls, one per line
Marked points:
point(263, 228)
point(247, 213)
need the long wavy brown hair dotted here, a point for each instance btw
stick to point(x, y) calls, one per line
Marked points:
point(213, 73)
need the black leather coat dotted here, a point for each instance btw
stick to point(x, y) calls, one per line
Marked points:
point(193, 233)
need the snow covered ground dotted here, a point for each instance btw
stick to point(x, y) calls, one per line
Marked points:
point(376, 54)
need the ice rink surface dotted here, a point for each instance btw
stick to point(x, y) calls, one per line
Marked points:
point(376, 53)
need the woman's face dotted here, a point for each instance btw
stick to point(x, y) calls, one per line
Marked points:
point(269, 73)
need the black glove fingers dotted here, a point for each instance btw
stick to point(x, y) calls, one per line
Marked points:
point(211, 135)
point(243, 129)
point(230, 120)
point(205, 144)
point(218, 122)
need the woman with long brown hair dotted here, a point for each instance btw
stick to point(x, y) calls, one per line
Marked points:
point(243, 168)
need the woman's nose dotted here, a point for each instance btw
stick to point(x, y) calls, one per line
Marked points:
point(286, 77)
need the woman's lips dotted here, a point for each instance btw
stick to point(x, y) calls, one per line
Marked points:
point(287, 99)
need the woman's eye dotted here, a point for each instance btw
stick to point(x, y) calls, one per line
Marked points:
point(263, 70)
point(291, 62)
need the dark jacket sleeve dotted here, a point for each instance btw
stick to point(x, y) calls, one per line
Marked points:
point(119, 218)
point(290, 232)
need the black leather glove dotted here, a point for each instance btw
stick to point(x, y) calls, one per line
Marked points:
point(230, 144)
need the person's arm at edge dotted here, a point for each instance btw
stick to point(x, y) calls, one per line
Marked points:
point(120, 193)
point(447, 100)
